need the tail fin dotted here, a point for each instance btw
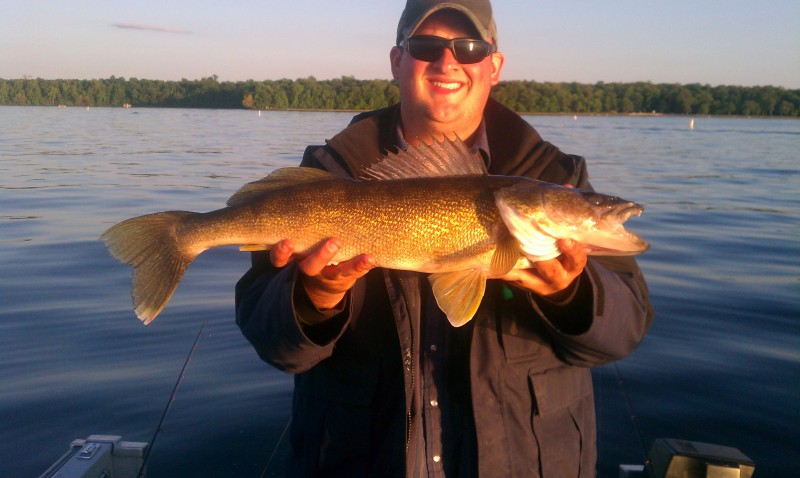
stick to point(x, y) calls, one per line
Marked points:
point(150, 244)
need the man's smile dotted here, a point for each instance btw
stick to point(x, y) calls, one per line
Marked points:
point(451, 85)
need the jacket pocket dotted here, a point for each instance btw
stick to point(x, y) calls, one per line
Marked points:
point(563, 422)
point(524, 339)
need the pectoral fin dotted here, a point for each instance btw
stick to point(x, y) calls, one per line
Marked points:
point(505, 256)
point(459, 294)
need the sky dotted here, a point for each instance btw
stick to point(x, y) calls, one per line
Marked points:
point(714, 42)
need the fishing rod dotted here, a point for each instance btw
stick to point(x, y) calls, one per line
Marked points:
point(140, 474)
point(635, 419)
point(275, 450)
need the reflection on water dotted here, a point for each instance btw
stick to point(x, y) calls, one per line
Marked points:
point(721, 213)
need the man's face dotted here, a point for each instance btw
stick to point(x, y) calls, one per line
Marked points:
point(444, 96)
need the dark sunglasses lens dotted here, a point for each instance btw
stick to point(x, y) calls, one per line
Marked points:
point(426, 48)
point(430, 49)
point(471, 51)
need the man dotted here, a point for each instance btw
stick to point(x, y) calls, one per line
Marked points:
point(384, 385)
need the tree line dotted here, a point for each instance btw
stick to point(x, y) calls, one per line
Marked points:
point(348, 93)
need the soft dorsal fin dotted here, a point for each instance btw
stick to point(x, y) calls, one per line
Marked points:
point(440, 158)
point(277, 179)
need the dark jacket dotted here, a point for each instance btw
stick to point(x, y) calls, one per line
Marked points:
point(356, 403)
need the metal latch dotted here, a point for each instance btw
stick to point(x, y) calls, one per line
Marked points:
point(88, 451)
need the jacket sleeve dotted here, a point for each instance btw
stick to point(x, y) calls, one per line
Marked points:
point(269, 314)
point(606, 319)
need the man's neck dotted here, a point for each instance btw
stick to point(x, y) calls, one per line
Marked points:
point(415, 136)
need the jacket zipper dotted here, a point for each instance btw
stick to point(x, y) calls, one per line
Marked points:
point(412, 362)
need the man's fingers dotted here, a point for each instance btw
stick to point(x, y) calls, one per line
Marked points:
point(346, 273)
point(557, 274)
point(326, 284)
point(553, 275)
point(573, 257)
point(321, 257)
point(281, 253)
point(356, 267)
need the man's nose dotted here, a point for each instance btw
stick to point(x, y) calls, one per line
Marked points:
point(447, 61)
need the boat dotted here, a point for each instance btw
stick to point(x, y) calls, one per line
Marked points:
point(676, 458)
point(100, 456)
point(108, 456)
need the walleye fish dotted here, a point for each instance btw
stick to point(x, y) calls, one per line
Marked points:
point(432, 209)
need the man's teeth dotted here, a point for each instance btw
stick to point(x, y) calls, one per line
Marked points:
point(449, 86)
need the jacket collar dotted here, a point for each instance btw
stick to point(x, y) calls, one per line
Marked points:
point(371, 134)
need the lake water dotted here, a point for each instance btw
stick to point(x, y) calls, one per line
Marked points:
point(721, 363)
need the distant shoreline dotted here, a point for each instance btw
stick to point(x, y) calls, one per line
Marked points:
point(350, 94)
point(356, 111)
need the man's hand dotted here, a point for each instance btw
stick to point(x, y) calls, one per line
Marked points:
point(552, 278)
point(326, 284)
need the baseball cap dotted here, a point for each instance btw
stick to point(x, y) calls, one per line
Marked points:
point(479, 12)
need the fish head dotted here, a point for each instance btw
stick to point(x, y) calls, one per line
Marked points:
point(536, 212)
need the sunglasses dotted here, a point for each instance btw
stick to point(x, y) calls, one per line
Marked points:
point(465, 50)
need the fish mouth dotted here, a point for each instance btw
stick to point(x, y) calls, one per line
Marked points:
point(614, 238)
point(603, 210)
point(620, 213)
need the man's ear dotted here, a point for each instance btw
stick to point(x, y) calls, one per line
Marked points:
point(395, 55)
point(497, 65)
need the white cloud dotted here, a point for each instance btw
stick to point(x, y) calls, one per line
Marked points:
point(150, 28)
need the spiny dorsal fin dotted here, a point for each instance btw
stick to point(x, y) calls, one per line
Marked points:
point(275, 180)
point(441, 158)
